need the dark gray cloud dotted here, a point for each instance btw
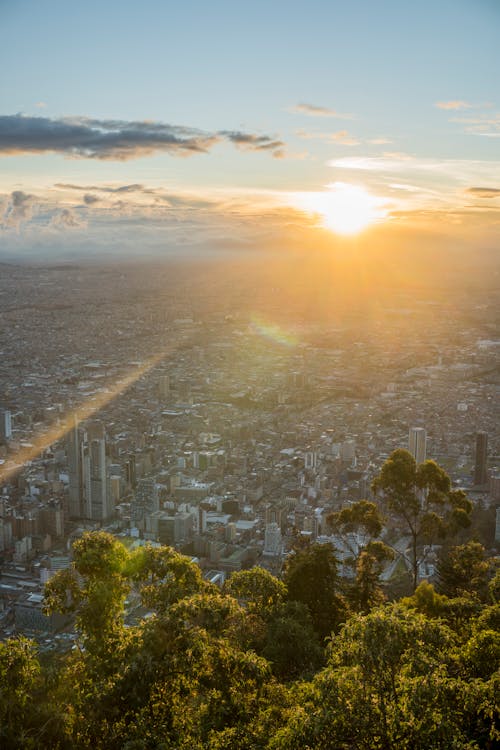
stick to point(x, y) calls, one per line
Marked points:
point(160, 196)
point(83, 137)
point(484, 192)
point(249, 142)
point(90, 199)
point(134, 188)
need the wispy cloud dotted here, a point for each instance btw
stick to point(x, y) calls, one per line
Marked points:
point(120, 140)
point(433, 182)
point(341, 136)
point(136, 192)
point(312, 110)
point(484, 192)
point(461, 171)
point(389, 162)
point(487, 124)
point(133, 188)
point(454, 104)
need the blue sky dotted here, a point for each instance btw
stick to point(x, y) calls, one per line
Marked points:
point(413, 86)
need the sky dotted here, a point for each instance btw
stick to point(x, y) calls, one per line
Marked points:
point(129, 129)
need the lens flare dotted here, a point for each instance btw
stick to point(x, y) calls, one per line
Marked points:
point(272, 332)
point(87, 410)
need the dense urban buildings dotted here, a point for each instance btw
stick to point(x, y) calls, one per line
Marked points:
point(225, 418)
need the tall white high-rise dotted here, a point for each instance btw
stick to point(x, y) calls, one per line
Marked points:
point(417, 443)
point(272, 539)
point(5, 424)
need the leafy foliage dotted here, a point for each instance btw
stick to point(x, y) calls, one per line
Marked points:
point(464, 569)
point(311, 577)
point(245, 668)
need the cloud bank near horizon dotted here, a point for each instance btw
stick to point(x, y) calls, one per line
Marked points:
point(90, 219)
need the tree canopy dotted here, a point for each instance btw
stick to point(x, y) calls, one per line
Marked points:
point(261, 664)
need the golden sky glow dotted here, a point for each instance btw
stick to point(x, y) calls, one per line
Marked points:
point(219, 162)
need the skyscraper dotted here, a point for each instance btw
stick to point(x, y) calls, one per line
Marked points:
point(74, 445)
point(145, 502)
point(480, 466)
point(417, 443)
point(5, 424)
point(164, 386)
point(98, 503)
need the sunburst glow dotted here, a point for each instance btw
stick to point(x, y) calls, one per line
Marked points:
point(344, 208)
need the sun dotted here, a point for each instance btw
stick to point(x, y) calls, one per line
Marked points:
point(344, 208)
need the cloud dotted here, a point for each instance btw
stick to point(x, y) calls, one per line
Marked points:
point(134, 188)
point(19, 209)
point(390, 162)
point(161, 222)
point(434, 182)
point(454, 104)
point(120, 140)
point(313, 111)
point(482, 124)
point(341, 136)
point(249, 142)
point(67, 219)
point(484, 192)
point(345, 138)
point(90, 199)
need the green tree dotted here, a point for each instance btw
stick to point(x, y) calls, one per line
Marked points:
point(94, 590)
point(164, 576)
point(19, 673)
point(420, 499)
point(463, 570)
point(311, 577)
point(426, 600)
point(279, 630)
point(389, 685)
point(187, 681)
point(290, 644)
point(257, 589)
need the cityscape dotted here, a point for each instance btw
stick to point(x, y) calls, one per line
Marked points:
point(250, 375)
point(185, 418)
